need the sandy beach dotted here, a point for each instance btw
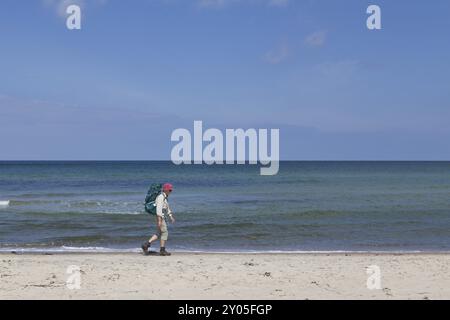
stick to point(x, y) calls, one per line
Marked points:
point(223, 276)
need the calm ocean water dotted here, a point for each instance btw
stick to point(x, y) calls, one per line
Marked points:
point(308, 206)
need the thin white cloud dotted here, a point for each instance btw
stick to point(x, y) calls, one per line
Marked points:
point(278, 55)
point(316, 39)
point(278, 3)
point(339, 71)
point(215, 4)
point(60, 6)
point(218, 4)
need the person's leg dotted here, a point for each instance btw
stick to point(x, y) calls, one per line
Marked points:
point(156, 235)
point(164, 237)
point(153, 239)
point(146, 245)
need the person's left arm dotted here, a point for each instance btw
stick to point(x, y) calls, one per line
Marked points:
point(172, 218)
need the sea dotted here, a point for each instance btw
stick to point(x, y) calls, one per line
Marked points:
point(309, 206)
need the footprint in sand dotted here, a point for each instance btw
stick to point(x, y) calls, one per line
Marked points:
point(387, 291)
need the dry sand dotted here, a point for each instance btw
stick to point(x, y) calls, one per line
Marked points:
point(224, 276)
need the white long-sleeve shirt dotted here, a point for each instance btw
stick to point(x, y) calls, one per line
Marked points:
point(162, 206)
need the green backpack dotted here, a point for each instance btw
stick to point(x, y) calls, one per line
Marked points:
point(154, 191)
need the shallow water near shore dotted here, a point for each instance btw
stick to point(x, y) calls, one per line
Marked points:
point(308, 206)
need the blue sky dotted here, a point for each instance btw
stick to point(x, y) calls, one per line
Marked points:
point(139, 69)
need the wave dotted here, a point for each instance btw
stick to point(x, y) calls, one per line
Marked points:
point(83, 213)
point(66, 249)
point(69, 249)
point(4, 204)
point(210, 226)
point(74, 203)
point(261, 201)
point(76, 194)
point(47, 206)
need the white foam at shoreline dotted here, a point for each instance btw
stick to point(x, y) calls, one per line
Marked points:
point(4, 203)
point(68, 250)
point(94, 250)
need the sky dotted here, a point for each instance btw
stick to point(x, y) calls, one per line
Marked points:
point(137, 70)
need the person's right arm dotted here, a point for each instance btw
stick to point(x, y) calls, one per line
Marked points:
point(159, 209)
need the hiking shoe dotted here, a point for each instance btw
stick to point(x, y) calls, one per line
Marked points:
point(164, 253)
point(145, 247)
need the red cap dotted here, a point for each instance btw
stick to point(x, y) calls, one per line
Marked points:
point(167, 187)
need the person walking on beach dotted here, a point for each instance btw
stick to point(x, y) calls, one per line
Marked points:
point(162, 211)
